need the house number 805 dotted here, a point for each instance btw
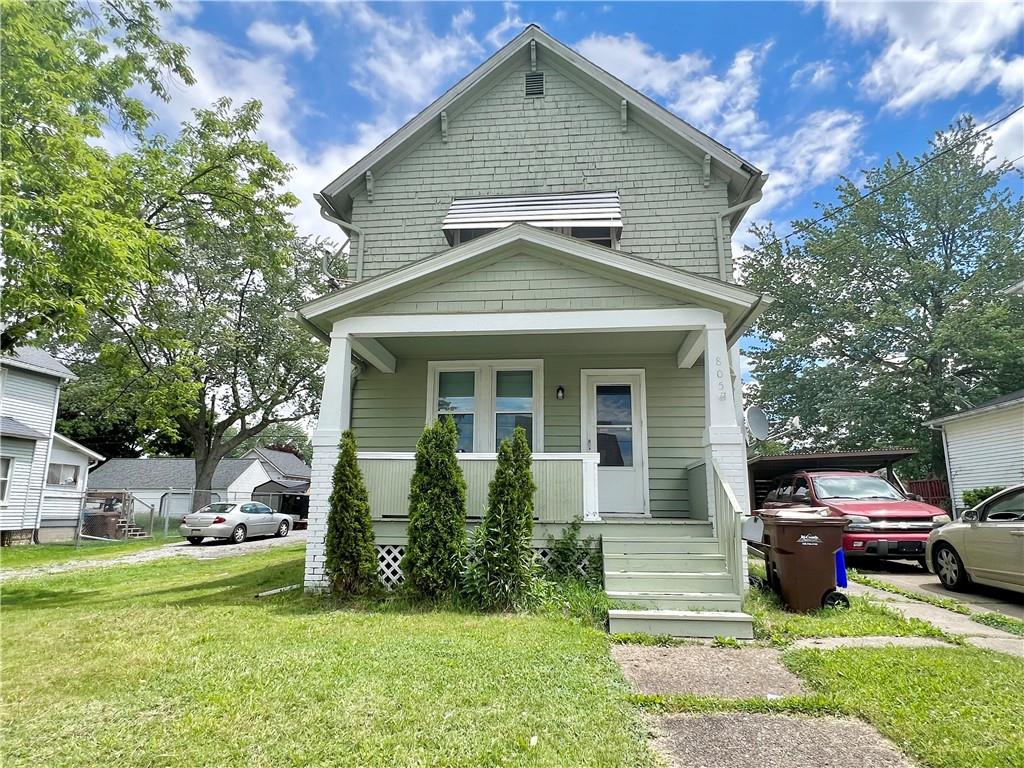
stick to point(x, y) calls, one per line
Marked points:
point(720, 374)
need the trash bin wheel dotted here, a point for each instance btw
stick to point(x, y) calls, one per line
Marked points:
point(834, 599)
point(757, 582)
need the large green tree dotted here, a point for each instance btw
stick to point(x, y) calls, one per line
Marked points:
point(205, 351)
point(72, 237)
point(890, 311)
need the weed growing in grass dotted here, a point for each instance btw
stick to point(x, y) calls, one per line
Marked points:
point(821, 706)
point(885, 586)
point(1000, 621)
point(721, 641)
point(639, 638)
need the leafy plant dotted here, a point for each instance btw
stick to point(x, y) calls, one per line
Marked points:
point(501, 568)
point(351, 556)
point(571, 599)
point(436, 551)
point(974, 496)
point(721, 641)
point(1000, 621)
point(569, 557)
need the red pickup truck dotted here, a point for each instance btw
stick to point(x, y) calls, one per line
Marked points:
point(883, 522)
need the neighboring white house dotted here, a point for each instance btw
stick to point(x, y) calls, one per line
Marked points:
point(165, 485)
point(280, 465)
point(42, 474)
point(984, 445)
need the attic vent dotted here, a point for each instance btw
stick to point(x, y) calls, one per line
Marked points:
point(534, 84)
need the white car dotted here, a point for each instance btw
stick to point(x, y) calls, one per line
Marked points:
point(234, 521)
point(986, 545)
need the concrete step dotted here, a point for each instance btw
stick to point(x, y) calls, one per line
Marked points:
point(682, 623)
point(641, 545)
point(667, 582)
point(676, 601)
point(665, 562)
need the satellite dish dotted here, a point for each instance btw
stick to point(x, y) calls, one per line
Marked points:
point(757, 422)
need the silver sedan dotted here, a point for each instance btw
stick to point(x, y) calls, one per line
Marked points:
point(234, 521)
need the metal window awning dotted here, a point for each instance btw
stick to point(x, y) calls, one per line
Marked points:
point(575, 209)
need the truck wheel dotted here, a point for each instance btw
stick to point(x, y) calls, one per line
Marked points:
point(950, 568)
point(834, 599)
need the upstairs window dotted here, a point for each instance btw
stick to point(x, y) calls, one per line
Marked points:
point(592, 216)
point(62, 475)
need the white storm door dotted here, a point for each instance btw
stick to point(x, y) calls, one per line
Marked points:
point(613, 426)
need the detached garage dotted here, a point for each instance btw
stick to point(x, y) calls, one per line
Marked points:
point(984, 445)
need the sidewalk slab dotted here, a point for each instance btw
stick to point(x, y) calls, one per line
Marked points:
point(741, 740)
point(703, 670)
point(831, 643)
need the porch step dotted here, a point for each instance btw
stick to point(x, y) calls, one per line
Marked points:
point(667, 582)
point(642, 545)
point(664, 562)
point(676, 601)
point(681, 623)
point(654, 528)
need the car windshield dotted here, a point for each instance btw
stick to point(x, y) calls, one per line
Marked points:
point(854, 487)
point(215, 509)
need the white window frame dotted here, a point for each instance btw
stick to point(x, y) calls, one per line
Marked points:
point(10, 478)
point(78, 476)
point(484, 401)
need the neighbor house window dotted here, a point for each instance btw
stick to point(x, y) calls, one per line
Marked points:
point(487, 400)
point(6, 467)
point(63, 475)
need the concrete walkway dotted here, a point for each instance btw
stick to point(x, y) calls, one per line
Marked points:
point(208, 550)
point(976, 634)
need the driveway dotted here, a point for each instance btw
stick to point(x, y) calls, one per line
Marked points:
point(911, 577)
point(209, 550)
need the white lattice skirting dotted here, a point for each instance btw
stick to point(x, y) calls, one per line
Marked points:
point(389, 563)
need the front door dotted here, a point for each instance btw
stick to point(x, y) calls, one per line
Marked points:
point(613, 426)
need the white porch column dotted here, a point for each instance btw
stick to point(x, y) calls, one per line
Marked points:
point(335, 410)
point(724, 441)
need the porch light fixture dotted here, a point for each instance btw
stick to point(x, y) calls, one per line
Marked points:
point(560, 392)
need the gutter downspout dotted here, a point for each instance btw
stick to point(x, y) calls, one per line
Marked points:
point(720, 230)
point(328, 213)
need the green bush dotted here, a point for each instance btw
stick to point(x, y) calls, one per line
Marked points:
point(974, 496)
point(436, 551)
point(569, 557)
point(501, 566)
point(351, 555)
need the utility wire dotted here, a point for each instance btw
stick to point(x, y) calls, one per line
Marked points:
point(830, 213)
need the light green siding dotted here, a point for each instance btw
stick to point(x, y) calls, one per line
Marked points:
point(523, 283)
point(569, 140)
point(389, 412)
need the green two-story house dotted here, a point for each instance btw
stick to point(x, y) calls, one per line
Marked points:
point(546, 247)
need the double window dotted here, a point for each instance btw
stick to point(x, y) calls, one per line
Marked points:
point(487, 400)
point(6, 467)
point(62, 475)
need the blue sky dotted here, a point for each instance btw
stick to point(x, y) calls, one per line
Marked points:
point(806, 91)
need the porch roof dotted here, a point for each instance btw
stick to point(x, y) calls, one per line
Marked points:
point(739, 307)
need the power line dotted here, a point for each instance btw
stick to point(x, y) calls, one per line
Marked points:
point(915, 169)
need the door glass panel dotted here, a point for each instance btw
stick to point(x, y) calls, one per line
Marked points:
point(456, 401)
point(614, 404)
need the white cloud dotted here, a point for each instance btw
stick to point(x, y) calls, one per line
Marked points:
point(935, 50)
point(1008, 138)
point(817, 75)
point(819, 146)
point(507, 28)
point(284, 38)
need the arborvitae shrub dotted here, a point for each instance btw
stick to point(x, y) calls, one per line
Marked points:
point(501, 568)
point(436, 551)
point(351, 557)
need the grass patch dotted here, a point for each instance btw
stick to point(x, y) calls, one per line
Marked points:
point(940, 602)
point(791, 705)
point(864, 618)
point(1000, 621)
point(640, 638)
point(947, 707)
point(32, 555)
point(176, 663)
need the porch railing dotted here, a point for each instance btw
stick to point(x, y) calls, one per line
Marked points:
point(566, 484)
point(728, 514)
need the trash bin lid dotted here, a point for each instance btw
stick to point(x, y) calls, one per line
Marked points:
point(800, 516)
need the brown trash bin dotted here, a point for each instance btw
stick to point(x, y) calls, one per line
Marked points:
point(102, 525)
point(800, 556)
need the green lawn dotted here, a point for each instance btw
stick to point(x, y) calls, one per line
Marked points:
point(175, 663)
point(29, 555)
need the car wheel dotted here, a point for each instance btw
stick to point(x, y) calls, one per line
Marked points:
point(950, 568)
point(238, 535)
point(282, 529)
point(194, 539)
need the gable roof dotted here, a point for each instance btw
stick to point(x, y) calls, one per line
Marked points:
point(13, 428)
point(744, 179)
point(287, 464)
point(71, 445)
point(739, 305)
point(163, 473)
point(995, 404)
point(38, 361)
